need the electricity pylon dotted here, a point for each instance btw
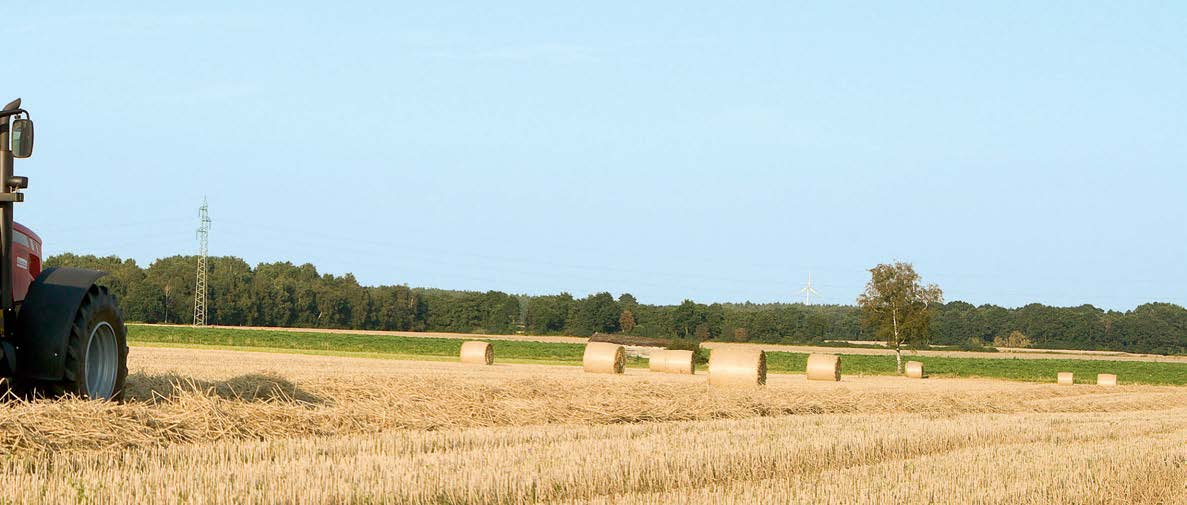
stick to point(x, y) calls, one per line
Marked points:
point(200, 282)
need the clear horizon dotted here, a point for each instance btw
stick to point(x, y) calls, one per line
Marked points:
point(1014, 153)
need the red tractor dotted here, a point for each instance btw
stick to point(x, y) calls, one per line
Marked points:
point(60, 333)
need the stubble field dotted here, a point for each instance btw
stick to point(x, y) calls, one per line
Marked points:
point(207, 426)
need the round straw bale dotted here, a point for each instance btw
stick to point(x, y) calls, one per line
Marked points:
point(1065, 378)
point(658, 361)
point(604, 357)
point(737, 367)
point(1106, 379)
point(478, 353)
point(914, 370)
point(824, 367)
point(681, 362)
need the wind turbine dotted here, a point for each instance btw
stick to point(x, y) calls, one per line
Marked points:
point(808, 291)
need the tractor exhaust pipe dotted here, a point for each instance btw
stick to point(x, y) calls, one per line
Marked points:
point(7, 198)
point(9, 194)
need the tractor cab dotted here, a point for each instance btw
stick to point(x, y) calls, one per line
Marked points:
point(26, 260)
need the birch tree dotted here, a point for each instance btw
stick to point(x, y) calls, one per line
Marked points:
point(897, 306)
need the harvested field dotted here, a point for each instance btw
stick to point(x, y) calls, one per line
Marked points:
point(221, 426)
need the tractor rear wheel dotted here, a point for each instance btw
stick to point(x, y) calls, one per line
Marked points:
point(96, 364)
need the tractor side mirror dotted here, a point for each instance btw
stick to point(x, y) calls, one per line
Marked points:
point(22, 138)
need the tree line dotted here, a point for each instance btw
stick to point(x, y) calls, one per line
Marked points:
point(285, 294)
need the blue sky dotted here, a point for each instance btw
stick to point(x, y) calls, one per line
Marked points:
point(1014, 152)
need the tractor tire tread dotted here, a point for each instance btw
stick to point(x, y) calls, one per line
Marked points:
point(98, 305)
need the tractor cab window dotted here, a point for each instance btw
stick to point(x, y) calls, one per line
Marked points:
point(19, 238)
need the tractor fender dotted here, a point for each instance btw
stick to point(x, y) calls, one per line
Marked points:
point(43, 323)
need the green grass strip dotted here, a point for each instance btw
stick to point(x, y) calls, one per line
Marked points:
point(512, 351)
point(356, 345)
point(1032, 370)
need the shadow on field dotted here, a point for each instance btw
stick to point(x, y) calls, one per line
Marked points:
point(247, 388)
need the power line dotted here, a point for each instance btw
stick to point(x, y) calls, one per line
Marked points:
point(200, 282)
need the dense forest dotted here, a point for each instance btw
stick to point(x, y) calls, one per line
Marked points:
point(283, 294)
